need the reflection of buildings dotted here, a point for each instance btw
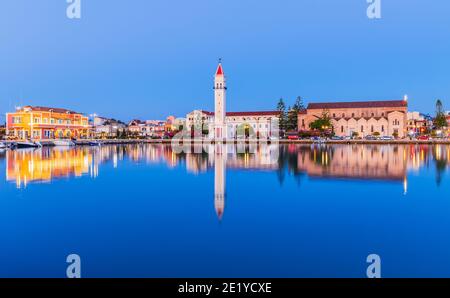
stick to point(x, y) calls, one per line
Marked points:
point(24, 166)
point(354, 161)
point(365, 162)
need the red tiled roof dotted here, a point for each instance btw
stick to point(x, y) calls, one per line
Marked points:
point(256, 113)
point(47, 109)
point(219, 71)
point(261, 113)
point(358, 104)
point(208, 113)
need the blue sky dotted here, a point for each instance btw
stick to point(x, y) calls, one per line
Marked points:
point(151, 58)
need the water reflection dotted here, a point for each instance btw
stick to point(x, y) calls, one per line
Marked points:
point(364, 162)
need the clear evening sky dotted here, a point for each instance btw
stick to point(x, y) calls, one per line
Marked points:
point(150, 58)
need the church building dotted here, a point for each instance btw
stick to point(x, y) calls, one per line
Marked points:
point(361, 118)
point(222, 125)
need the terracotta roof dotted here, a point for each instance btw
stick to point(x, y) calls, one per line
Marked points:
point(47, 109)
point(208, 113)
point(358, 104)
point(260, 113)
point(219, 70)
point(256, 113)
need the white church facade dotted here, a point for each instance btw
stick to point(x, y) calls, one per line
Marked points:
point(222, 125)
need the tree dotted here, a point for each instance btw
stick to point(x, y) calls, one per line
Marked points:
point(2, 132)
point(281, 108)
point(299, 106)
point(292, 117)
point(440, 120)
point(323, 123)
point(123, 134)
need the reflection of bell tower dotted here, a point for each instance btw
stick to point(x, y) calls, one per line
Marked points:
point(220, 90)
point(219, 180)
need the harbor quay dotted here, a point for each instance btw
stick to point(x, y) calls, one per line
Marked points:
point(364, 122)
point(88, 142)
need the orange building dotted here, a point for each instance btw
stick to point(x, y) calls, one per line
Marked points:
point(46, 123)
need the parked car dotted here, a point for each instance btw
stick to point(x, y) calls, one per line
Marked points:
point(318, 140)
point(371, 138)
point(387, 138)
point(423, 138)
point(292, 135)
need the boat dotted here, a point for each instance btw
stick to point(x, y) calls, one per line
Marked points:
point(2, 146)
point(64, 143)
point(95, 143)
point(28, 144)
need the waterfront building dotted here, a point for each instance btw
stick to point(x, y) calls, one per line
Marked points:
point(388, 118)
point(221, 124)
point(107, 128)
point(137, 127)
point(178, 124)
point(148, 128)
point(416, 123)
point(169, 124)
point(46, 123)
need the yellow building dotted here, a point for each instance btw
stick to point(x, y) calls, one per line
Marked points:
point(46, 123)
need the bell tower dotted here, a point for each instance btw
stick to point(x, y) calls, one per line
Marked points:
point(220, 90)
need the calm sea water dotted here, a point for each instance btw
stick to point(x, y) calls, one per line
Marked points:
point(235, 211)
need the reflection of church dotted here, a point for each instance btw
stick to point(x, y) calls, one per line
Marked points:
point(220, 156)
point(360, 162)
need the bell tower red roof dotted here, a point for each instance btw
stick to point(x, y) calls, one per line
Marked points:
point(219, 71)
